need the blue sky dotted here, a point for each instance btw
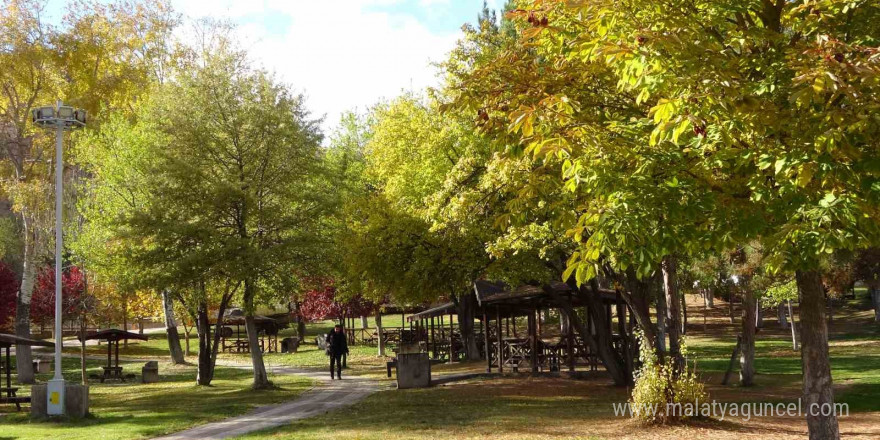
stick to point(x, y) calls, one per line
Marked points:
point(342, 54)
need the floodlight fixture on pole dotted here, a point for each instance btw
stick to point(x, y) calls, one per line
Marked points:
point(59, 118)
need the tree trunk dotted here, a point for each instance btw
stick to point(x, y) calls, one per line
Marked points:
point(261, 379)
point(709, 297)
point(140, 320)
point(875, 295)
point(830, 302)
point(637, 294)
point(466, 307)
point(186, 331)
point(661, 325)
point(125, 321)
point(747, 347)
point(818, 393)
point(684, 314)
point(759, 314)
point(564, 326)
point(601, 344)
point(379, 332)
point(730, 309)
point(83, 325)
point(794, 333)
point(171, 330)
point(206, 367)
point(364, 324)
point(669, 267)
point(781, 315)
point(23, 357)
point(208, 343)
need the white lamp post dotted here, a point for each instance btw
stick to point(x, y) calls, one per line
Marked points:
point(59, 118)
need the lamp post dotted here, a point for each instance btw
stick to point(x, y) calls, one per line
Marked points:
point(59, 118)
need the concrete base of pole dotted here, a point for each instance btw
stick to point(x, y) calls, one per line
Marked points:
point(55, 401)
point(413, 371)
point(76, 400)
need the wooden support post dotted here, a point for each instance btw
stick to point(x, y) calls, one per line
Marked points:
point(451, 350)
point(608, 317)
point(538, 322)
point(533, 340)
point(484, 328)
point(8, 371)
point(624, 335)
point(500, 340)
point(433, 340)
point(569, 341)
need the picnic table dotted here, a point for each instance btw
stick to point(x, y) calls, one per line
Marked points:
point(8, 393)
point(112, 371)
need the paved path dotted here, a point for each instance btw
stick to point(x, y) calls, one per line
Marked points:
point(326, 396)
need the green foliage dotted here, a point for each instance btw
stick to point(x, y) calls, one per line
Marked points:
point(217, 182)
point(658, 384)
point(777, 293)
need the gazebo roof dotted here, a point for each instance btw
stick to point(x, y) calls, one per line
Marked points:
point(113, 334)
point(237, 316)
point(528, 297)
point(9, 340)
point(443, 309)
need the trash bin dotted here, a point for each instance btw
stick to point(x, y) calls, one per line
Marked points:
point(41, 366)
point(289, 345)
point(413, 370)
point(150, 372)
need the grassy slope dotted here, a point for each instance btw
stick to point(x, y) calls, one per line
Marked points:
point(135, 410)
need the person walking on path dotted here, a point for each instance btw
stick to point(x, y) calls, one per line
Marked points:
point(337, 346)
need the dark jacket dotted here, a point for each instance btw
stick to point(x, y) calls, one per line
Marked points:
point(337, 343)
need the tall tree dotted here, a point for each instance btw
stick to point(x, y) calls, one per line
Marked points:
point(753, 116)
point(236, 190)
point(100, 57)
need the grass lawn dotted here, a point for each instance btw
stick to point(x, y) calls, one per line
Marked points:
point(556, 408)
point(135, 410)
point(361, 360)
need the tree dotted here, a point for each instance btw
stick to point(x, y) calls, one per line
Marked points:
point(234, 199)
point(177, 354)
point(324, 302)
point(43, 302)
point(116, 50)
point(867, 269)
point(386, 241)
point(8, 287)
point(719, 123)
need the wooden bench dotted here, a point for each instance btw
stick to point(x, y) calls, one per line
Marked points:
point(11, 398)
point(112, 373)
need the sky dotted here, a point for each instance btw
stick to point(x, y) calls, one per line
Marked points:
point(343, 54)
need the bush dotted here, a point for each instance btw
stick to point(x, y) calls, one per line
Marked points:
point(661, 395)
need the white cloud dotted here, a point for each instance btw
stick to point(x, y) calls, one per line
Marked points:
point(342, 54)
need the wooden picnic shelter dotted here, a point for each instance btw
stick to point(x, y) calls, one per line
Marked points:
point(237, 340)
point(112, 370)
point(8, 393)
point(506, 349)
point(439, 339)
